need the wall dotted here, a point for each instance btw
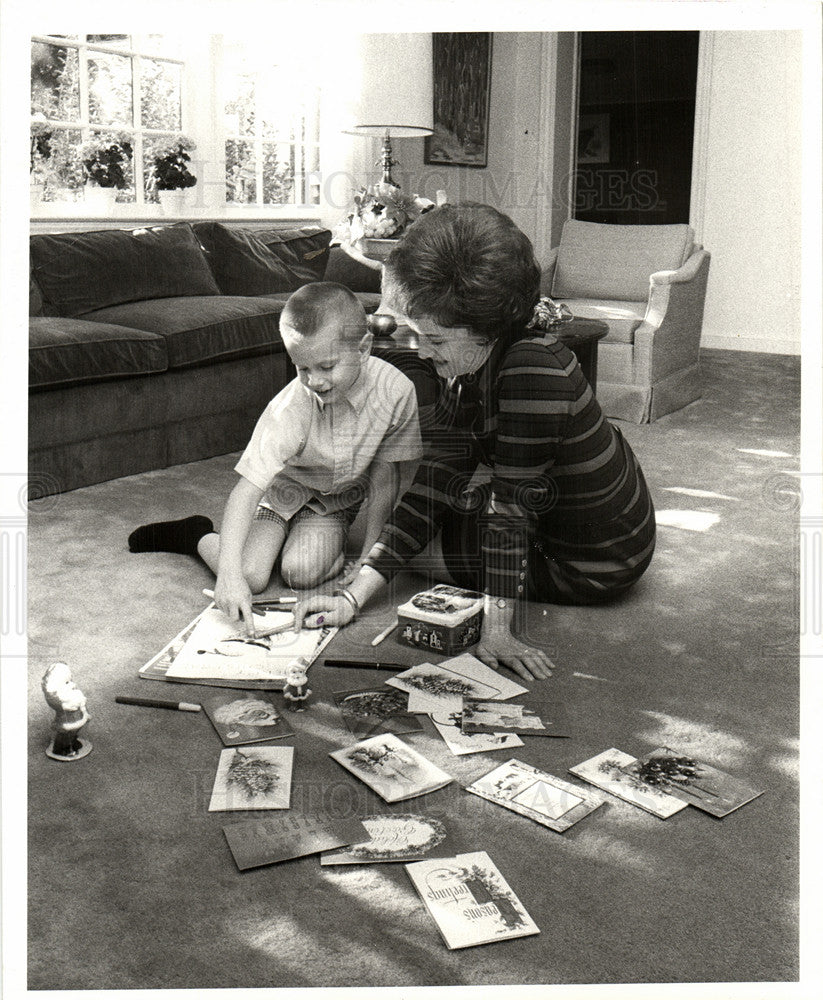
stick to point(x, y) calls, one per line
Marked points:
point(746, 191)
point(523, 170)
point(746, 187)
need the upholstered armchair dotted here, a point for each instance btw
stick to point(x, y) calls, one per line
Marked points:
point(649, 284)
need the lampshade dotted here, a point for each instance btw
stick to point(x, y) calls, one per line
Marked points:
point(395, 91)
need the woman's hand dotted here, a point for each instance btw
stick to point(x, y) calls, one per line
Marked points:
point(499, 648)
point(233, 596)
point(322, 611)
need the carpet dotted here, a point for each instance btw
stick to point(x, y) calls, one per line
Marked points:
point(130, 882)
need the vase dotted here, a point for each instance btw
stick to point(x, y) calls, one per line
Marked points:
point(100, 200)
point(378, 249)
point(173, 202)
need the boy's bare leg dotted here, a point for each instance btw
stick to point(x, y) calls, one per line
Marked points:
point(263, 545)
point(313, 551)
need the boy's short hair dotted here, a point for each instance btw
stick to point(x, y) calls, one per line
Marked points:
point(464, 265)
point(315, 305)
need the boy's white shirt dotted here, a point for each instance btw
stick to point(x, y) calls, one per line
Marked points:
point(303, 453)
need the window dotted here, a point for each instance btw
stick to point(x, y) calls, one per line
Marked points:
point(254, 115)
point(271, 130)
point(90, 87)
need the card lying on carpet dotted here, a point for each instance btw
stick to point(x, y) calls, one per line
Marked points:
point(606, 772)
point(395, 837)
point(460, 743)
point(534, 793)
point(391, 768)
point(242, 717)
point(216, 651)
point(437, 688)
point(266, 841)
point(253, 778)
point(692, 781)
point(369, 711)
point(470, 900)
point(507, 717)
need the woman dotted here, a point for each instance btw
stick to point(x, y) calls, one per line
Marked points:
point(566, 516)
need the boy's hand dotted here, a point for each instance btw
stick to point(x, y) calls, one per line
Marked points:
point(321, 612)
point(233, 597)
point(350, 571)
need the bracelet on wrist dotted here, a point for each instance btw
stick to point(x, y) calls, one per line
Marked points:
point(348, 596)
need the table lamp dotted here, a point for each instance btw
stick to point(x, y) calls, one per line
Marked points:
point(395, 94)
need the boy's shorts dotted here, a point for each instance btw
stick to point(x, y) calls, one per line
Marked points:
point(345, 516)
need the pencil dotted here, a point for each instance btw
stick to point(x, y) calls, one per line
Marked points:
point(385, 633)
point(178, 706)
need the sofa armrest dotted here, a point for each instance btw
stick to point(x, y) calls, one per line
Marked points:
point(668, 339)
point(547, 273)
point(360, 275)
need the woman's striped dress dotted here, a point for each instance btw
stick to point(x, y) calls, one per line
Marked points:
point(566, 516)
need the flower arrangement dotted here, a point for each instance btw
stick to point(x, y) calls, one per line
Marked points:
point(170, 170)
point(103, 160)
point(40, 147)
point(381, 211)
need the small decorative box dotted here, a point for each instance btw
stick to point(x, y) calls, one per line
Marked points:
point(443, 619)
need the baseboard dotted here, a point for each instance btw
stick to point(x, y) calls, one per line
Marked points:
point(758, 345)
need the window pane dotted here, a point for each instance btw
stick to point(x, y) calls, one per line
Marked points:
point(160, 94)
point(55, 87)
point(278, 174)
point(110, 90)
point(241, 186)
point(114, 41)
point(239, 110)
point(63, 171)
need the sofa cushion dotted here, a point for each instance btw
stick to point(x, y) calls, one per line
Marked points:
point(81, 272)
point(201, 329)
point(623, 317)
point(596, 261)
point(65, 352)
point(263, 262)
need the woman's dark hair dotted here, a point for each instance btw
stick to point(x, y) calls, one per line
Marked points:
point(465, 265)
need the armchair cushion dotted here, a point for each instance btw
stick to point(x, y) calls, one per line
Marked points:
point(596, 261)
point(623, 317)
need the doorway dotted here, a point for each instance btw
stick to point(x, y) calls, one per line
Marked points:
point(635, 127)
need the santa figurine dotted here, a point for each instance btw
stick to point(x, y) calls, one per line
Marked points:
point(70, 715)
point(296, 689)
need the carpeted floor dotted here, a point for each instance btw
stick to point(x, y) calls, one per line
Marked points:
point(702, 656)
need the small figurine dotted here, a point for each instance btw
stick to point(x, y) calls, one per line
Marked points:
point(296, 690)
point(70, 715)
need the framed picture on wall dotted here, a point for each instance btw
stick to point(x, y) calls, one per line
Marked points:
point(462, 82)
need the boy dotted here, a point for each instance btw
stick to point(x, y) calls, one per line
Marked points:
point(333, 436)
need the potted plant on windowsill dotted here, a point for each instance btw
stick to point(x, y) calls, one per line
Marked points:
point(170, 174)
point(103, 161)
point(40, 148)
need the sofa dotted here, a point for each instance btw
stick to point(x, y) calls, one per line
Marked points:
point(648, 283)
point(153, 347)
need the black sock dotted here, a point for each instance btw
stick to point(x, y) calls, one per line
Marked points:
point(171, 536)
